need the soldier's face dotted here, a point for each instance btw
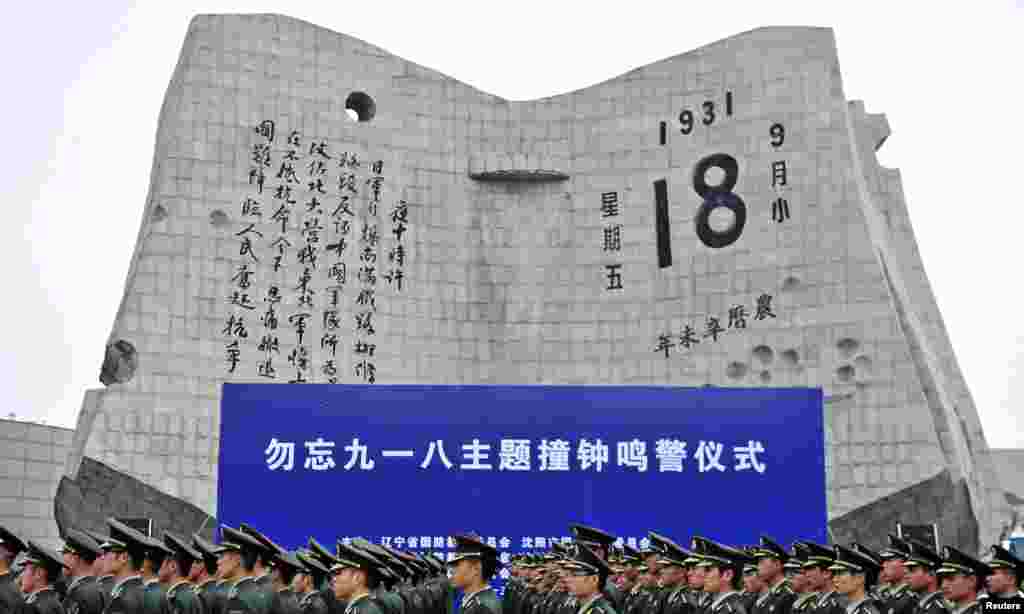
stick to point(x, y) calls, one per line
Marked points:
point(957, 587)
point(797, 580)
point(918, 578)
point(751, 583)
point(463, 573)
point(1001, 581)
point(893, 571)
point(345, 583)
point(769, 569)
point(582, 586)
point(31, 578)
point(696, 577)
point(847, 583)
point(195, 571)
point(652, 564)
point(101, 565)
point(166, 571)
point(816, 579)
point(228, 565)
point(712, 580)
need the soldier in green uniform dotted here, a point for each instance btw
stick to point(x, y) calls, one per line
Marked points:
point(393, 574)
point(42, 568)
point(587, 577)
point(879, 593)
point(723, 573)
point(10, 596)
point(265, 562)
point(473, 565)
point(752, 585)
point(631, 586)
point(816, 561)
point(84, 595)
point(778, 597)
point(962, 577)
point(921, 564)
point(599, 542)
point(806, 597)
point(180, 597)
point(674, 578)
point(312, 575)
point(899, 598)
point(284, 600)
point(1007, 572)
point(208, 587)
point(699, 599)
point(352, 579)
point(155, 591)
point(238, 554)
point(101, 567)
point(326, 559)
point(854, 574)
point(127, 548)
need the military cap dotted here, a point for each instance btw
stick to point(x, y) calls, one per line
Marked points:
point(98, 537)
point(814, 555)
point(436, 562)
point(590, 535)
point(1004, 559)
point(45, 558)
point(472, 547)
point(235, 540)
point(310, 565)
point(714, 554)
point(124, 537)
point(749, 569)
point(203, 547)
point(897, 549)
point(768, 549)
point(11, 541)
point(864, 551)
point(392, 563)
point(268, 546)
point(321, 554)
point(178, 546)
point(289, 559)
point(956, 562)
point(77, 542)
point(631, 557)
point(849, 559)
point(587, 563)
point(349, 557)
point(920, 555)
point(671, 553)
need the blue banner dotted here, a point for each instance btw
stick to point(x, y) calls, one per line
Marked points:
point(411, 465)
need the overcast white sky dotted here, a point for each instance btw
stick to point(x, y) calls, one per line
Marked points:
point(83, 84)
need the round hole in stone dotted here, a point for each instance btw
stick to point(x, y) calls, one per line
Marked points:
point(765, 376)
point(714, 177)
point(790, 357)
point(764, 354)
point(362, 107)
point(790, 284)
point(119, 363)
point(159, 213)
point(847, 346)
point(218, 218)
point(736, 370)
point(846, 373)
point(862, 363)
point(722, 220)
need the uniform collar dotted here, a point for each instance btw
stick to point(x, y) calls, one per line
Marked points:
point(147, 583)
point(205, 582)
point(123, 580)
point(852, 606)
point(177, 584)
point(358, 599)
point(962, 608)
point(929, 597)
point(78, 580)
point(586, 605)
point(774, 590)
point(31, 597)
point(466, 599)
point(720, 598)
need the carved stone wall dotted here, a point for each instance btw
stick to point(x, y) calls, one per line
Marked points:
point(562, 240)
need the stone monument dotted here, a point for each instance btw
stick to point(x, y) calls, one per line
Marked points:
point(323, 211)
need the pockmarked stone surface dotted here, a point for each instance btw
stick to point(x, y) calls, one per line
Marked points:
point(321, 210)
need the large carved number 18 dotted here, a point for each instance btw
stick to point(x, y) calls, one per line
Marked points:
point(714, 197)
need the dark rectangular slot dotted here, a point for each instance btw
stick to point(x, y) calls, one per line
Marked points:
point(663, 130)
point(728, 103)
point(661, 226)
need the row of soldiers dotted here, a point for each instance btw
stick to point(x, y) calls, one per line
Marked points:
point(906, 577)
point(127, 572)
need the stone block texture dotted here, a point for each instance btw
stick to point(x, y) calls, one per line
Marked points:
point(507, 281)
point(32, 461)
point(99, 492)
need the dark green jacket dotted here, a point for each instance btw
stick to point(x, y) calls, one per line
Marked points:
point(483, 602)
point(212, 594)
point(45, 601)
point(84, 596)
point(154, 597)
point(601, 605)
point(246, 596)
point(10, 596)
point(127, 597)
point(182, 599)
point(363, 605)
